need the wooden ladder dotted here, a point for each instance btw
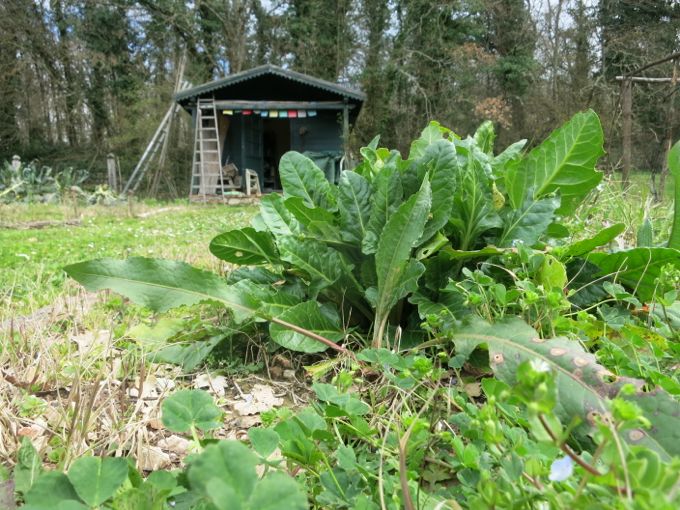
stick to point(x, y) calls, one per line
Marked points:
point(207, 178)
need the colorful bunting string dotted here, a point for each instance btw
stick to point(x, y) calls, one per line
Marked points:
point(283, 114)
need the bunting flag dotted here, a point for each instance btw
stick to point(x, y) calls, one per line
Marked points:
point(283, 114)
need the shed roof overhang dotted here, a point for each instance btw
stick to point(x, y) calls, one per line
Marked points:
point(267, 84)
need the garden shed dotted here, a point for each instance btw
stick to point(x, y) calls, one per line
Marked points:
point(245, 122)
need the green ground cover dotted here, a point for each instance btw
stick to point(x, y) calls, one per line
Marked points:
point(31, 260)
point(534, 364)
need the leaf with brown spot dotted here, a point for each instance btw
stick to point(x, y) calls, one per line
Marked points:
point(584, 387)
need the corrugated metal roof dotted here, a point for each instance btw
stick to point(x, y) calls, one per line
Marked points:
point(270, 69)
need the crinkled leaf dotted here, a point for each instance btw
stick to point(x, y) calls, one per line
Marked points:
point(398, 238)
point(585, 246)
point(318, 222)
point(268, 299)
point(185, 409)
point(245, 247)
point(96, 479)
point(300, 177)
point(528, 223)
point(485, 137)
point(28, 468)
point(276, 217)
point(473, 211)
point(637, 268)
point(583, 385)
point(387, 196)
point(511, 153)
point(563, 163)
point(429, 135)
point(354, 204)
point(307, 315)
point(319, 263)
point(441, 161)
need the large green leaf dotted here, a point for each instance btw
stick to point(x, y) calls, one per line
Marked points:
point(674, 169)
point(585, 246)
point(49, 488)
point(97, 479)
point(441, 160)
point(354, 204)
point(161, 285)
point(320, 264)
point(485, 137)
point(583, 385)
point(156, 284)
point(473, 211)
point(307, 315)
point(300, 177)
point(225, 474)
point(267, 298)
point(637, 268)
point(528, 223)
point(511, 153)
point(229, 461)
point(318, 222)
point(245, 247)
point(277, 491)
point(398, 238)
point(276, 217)
point(387, 196)
point(563, 163)
point(185, 410)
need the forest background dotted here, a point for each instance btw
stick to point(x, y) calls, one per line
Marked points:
point(82, 78)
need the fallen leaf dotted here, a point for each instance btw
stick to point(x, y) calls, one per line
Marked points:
point(261, 398)
point(152, 458)
point(175, 444)
point(215, 385)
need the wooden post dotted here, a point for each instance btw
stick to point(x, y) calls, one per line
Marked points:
point(345, 128)
point(627, 106)
point(669, 139)
point(112, 173)
point(16, 162)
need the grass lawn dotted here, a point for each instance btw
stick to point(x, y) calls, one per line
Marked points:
point(31, 260)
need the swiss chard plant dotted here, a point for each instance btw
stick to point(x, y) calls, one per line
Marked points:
point(372, 256)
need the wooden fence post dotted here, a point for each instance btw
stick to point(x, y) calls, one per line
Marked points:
point(112, 172)
point(627, 107)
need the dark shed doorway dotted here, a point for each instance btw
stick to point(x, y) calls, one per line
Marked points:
point(276, 142)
